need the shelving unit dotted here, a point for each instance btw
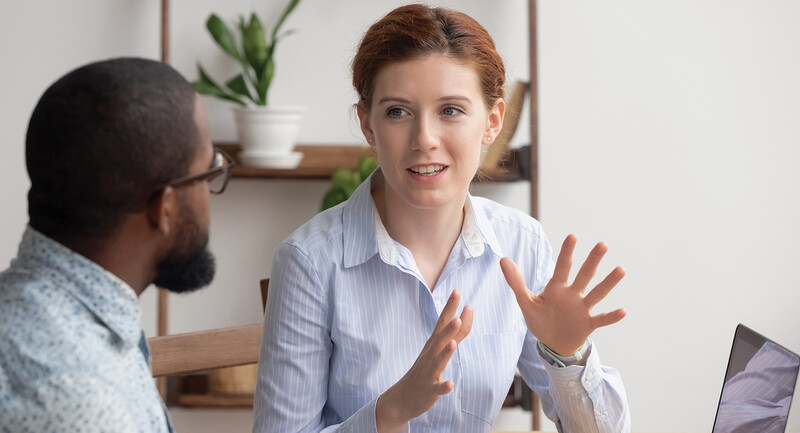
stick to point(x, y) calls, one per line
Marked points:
point(319, 162)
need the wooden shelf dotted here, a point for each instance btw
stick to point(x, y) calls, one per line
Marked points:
point(192, 390)
point(321, 161)
point(214, 400)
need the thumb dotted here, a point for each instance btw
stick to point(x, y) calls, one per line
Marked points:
point(514, 278)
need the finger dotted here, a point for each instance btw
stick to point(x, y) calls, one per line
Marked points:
point(439, 340)
point(515, 279)
point(609, 318)
point(439, 362)
point(445, 387)
point(448, 312)
point(466, 324)
point(564, 262)
point(589, 267)
point(602, 290)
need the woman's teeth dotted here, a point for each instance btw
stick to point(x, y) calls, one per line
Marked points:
point(428, 170)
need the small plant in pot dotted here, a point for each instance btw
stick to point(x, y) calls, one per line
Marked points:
point(267, 134)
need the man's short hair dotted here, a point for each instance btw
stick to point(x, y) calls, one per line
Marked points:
point(102, 140)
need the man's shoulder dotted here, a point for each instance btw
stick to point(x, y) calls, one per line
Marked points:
point(27, 298)
point(45, 330)
point(67, 401)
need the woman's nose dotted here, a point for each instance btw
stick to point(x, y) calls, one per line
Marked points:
point(425, 138)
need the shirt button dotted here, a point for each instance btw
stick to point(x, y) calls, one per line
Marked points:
point(589, 375)
point(438, 304)
point(602, 417)
point(572, 384)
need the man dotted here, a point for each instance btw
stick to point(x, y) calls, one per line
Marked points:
point(121, 166)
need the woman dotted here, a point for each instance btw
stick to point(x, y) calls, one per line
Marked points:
point(393, 310)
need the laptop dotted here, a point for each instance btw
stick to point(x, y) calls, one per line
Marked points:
point(759, 384)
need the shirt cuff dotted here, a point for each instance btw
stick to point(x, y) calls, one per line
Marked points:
point(567, 379)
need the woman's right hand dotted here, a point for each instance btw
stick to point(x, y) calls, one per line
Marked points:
point(422, 385)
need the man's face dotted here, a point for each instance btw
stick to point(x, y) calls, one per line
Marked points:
point(189, 265)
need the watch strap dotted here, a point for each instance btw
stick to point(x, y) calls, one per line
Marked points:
point(561, 360)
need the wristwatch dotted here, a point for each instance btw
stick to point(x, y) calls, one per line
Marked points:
point(560, 360)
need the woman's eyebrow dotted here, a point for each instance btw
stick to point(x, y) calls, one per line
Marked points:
point(393, 99)
point(406, 101)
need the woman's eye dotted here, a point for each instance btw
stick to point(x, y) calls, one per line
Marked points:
point(451, 111)
point(395, 112)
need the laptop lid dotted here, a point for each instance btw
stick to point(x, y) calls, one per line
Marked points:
point(759, 384)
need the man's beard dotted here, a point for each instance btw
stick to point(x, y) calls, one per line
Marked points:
point(189, 265)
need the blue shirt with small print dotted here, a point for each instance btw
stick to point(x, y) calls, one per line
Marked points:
point(73, 357)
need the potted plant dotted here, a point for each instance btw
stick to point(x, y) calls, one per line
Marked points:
point(344, 181)
point(266, 133)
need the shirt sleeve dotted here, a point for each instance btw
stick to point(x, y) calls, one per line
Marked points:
point(588, 398)
point(296, 347)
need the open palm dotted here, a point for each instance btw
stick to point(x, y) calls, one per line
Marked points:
point(560, 317)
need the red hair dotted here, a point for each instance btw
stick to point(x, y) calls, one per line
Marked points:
point(416, 30)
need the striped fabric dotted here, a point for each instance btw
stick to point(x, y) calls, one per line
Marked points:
point(349, 311)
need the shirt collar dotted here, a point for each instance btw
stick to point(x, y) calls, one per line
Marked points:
point(360, 237)
point(110, 299)
point(478, 230)
point(365, 235)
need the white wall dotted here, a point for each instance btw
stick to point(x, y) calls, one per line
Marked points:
point(667, 129)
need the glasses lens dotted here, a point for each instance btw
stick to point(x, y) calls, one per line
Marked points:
point(216, 183)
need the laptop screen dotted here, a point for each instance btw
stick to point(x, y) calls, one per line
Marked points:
point(759, 384)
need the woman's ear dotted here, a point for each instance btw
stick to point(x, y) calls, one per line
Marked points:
point(162, 210)
point(494, 123)
point(364, 122)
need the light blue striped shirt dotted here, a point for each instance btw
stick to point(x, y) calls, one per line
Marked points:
point(348, 313)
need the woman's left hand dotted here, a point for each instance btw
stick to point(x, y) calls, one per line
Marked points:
point(560, 317)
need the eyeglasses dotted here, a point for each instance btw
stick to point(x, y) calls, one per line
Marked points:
point(217, 176)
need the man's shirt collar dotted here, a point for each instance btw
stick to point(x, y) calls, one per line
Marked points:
point(109, 298)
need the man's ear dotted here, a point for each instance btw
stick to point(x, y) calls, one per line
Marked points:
point(364, 122)
point(162, 209)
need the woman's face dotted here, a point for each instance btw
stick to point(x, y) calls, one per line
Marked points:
point(427, 123)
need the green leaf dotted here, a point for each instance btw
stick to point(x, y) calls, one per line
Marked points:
point(254, 42)
point(222, 34)
point(344, 177)
point(239, 86)
point(289, 8)
point(206, 86)
point(262, 85)
point(366, 165)
point(334, 196)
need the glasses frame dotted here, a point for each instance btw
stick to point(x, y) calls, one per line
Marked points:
point(225, 169)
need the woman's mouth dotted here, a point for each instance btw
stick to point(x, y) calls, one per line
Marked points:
point(427, 170)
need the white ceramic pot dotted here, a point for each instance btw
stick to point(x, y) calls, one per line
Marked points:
point(267, 135)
